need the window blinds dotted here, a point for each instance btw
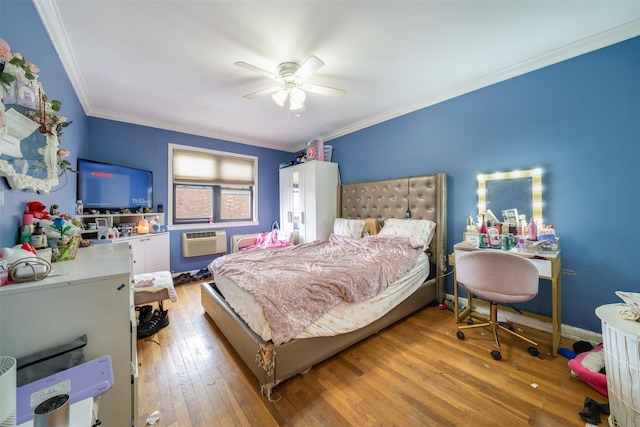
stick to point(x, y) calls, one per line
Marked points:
point(203, 168)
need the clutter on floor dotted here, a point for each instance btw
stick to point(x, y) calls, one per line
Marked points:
point(592, 410)
point(201, 274)
point(181, 279)
point(589, 366)
point(151, 321)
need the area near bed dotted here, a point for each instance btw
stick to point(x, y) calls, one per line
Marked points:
point(318, 276)
point(286, 309)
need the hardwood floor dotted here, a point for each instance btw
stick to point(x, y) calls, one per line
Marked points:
point(414, 373)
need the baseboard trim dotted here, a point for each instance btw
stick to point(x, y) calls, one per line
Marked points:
point(567, 331)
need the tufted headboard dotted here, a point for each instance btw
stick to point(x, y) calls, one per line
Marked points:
point(388, 199)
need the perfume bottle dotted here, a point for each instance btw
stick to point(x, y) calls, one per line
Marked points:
point(483, 227)
point(521, 225)
point(471, 225)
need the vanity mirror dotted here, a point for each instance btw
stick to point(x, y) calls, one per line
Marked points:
point(519, 189)
point(28, 162)
point(29, 127)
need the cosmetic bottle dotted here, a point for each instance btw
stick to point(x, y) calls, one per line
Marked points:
point(4, 271)
point(471, 226)
point(38, 238)
point(533, 230)
point(27, 228)
point(483, 227)
point(521, 225)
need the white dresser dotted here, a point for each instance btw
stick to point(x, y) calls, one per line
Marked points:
point(621, 345)
point(90, 295)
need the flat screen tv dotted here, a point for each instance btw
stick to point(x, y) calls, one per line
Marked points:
point(104, 186)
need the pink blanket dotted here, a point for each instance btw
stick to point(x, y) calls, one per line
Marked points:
point(268, 240)
point(297, 285)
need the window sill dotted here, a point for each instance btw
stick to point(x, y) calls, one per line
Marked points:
point(212, 226)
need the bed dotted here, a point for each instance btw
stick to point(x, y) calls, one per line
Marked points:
point(273, 362)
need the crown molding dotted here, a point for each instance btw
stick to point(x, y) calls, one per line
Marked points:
point(589, 44)
point(50, 17)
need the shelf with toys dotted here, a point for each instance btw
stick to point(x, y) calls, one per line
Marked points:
point(125, 224)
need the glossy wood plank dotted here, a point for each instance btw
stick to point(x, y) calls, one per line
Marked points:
point(416, 372)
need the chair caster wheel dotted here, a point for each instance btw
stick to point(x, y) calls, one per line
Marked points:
point(469, 321)
point(533, 351)
point(496, 355)
point(460, 335)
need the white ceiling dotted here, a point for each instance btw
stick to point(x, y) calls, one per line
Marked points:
point(170, 64)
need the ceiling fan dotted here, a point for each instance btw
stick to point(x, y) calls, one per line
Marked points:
point(291, 78)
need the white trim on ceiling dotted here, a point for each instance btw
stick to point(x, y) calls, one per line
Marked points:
point(590, 44)
point(51, 20)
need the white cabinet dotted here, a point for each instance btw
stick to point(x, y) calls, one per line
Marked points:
point(90, 295)
point(150, 252)
point(309, 200)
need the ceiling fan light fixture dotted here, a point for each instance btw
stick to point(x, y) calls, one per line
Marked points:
point(280, 97)
point(296, 107)
point(296, 98)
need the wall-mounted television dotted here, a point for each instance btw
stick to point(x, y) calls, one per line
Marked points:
point(104, 186)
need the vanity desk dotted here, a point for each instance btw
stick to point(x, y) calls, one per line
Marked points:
point(548, 265)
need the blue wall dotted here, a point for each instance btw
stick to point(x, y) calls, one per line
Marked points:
point(20, 26)
point(579, 120)
point(146, 148)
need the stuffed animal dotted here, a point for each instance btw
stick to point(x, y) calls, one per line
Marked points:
point(37, 209)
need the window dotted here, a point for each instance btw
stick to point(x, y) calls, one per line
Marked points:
point(211, 186)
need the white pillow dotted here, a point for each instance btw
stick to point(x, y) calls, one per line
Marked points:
point(419, 231)
point(353, 228)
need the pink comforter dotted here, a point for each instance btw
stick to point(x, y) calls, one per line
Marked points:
point(297, 285)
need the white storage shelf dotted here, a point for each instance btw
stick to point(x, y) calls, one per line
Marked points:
point(149, 252)
point(114, 219)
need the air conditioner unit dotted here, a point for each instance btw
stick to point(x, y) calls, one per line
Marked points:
point(204, 243)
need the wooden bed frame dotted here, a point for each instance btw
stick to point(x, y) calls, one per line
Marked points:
point(377, 199)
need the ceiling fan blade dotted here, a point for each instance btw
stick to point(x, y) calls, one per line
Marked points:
point(308, 67)
point(255, 69)
point(324, 90)
point(263, 92)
